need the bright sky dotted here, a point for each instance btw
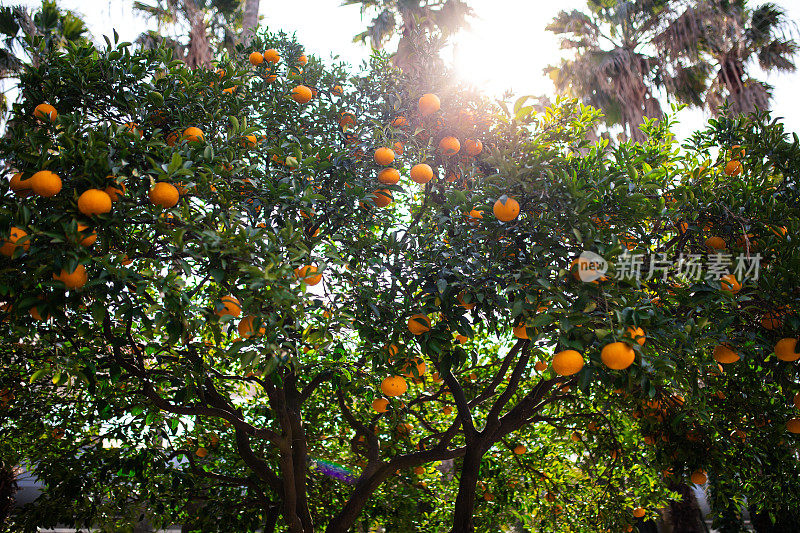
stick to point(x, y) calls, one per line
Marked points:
point(507, 47)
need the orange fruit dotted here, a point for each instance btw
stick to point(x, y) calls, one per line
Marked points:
point(771, 321)
point(384, 156)
point(449, 146)
point(733, 168)
point(540, 366)
point(380, 405)
point(164, 194)
point(475, 215)
point(521, 331)
point(308, 274)
point(394, 386)
point(716, 243)
point(506, 209)
point(201, 452)
point(94, 202)
point(171, 138)
point(467, 306)
point(473, 146)
point(88, 240)
point(699, 477)
point(724, 353)
point(19, 186)
point(446, 410)
point(419, 324)
point(337, 90)
point(520, 449)
point(228, 305)
point(785, 350)
point(400, 121)
point(46, 183)
point(302, 60)
point(730, 284)
point(246, 327)
point(408, 368)
point(638, 512)
point(429, 104)
point(617, 355)
point(461, 339)
point(73, 280)
point(398, 148)
point(270, 78)
point(389, 176)
point(249, 141)
point(256, 58)
point(271, 55)
point(797, 400)
point(793, 425)
point(193, 134)
point(45, 112)
point(419, 470)
point(567, 362)
point(637, 334)
point(347, 119)
point(382, 198)
point(115, 191)
point(737, 152)
point(301, 94)
point(421, 173)
point(10, 245)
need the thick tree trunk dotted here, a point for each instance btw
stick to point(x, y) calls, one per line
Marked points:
point(685, 513)
point(365, 486)
point(250, 22)
point(465, 501)
point(199, 54)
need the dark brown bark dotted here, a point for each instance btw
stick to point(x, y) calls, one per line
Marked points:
point(685, 513)
point(199, 54)
point(465, 500)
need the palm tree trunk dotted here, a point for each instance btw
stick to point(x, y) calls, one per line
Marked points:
point(250, 22)
point(199, 54)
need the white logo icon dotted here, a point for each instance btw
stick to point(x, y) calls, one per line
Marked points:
point(591, 267)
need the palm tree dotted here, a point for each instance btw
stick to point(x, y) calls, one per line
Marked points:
point(210, 25)
point(729, 38)
point(411, 20)
point(611, 69)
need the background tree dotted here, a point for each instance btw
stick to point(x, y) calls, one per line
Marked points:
point(201, 320)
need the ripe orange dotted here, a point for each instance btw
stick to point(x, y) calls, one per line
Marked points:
point(394, 386)
point(699, 477)
point(271, 55)
point(308, 274)
point(475, 215)
point(337, 90)
point(540, 366)
point(449, 146)
point(11, 244)
point(521, 331)
point(46, 183)
point(115, 191)
point(400, 121)
point(228, 305)
point(249, 141)
point(461, 339)
point(617, 355)
point(506, 209)
point(94, 202)
point(772, 320)
point(45, 112)
point(171, 138)
point(90, 239)
point(382, 198)
point(716, 243)
point(19, 186)
point(446, 410)
point(164, 194)
point(793, 425)
point(380, 405)
point(473, 146)
point(398, 148)
point(270, 77)
point(429, 104)
point(785, 350)
point(256, 58)
point(520, 449)
point(384, 156)
point(389, 176)
point(638, 512)
point(730, 284)
point(567, 363)
point(421, 173)
point(419, 324)
point(724, 353)
point(246, 327)
point(347, 119)
point(193, 134)
point(73, 280)
point(467, 306)
point(637, 334)
point(419, 364)
point(733, 168)
point(201, 452)
point(301, 94)
point(737, 152)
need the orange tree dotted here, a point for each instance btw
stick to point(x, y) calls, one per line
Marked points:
point(217, 282)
